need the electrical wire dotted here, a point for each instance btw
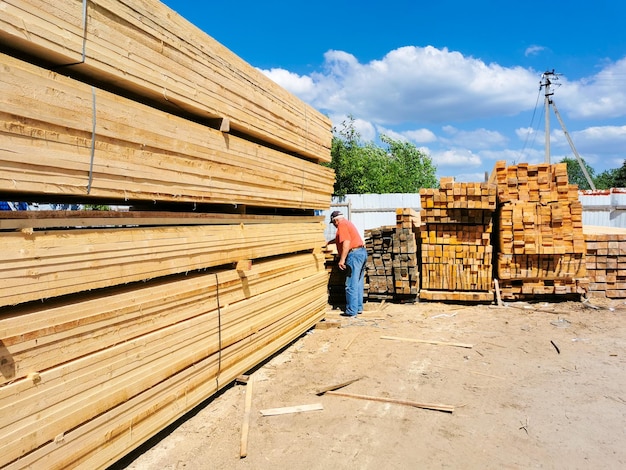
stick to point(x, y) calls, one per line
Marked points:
point(531, 126)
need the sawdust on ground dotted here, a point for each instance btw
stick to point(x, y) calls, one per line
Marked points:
point(531, 385)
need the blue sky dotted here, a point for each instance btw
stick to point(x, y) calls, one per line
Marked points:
point(457, 78)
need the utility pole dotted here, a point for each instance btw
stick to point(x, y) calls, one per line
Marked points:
point(546, 81)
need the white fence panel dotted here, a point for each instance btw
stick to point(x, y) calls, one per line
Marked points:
point(368, 211)
point(605, 208)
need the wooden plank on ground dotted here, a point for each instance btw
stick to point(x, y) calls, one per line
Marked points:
point(292, 409)
point(428, 406)
point(442, 343)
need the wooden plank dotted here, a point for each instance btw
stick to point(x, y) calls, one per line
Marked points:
point(292, 409)
point(148, 50)
point(106, 438)
point(79, 390)
point(323, 390)
point(17, 220)
point(70, 261)
point(442, 343)
point(139, 153)
point(427, 406)
point(31, 342)
point(245, 426)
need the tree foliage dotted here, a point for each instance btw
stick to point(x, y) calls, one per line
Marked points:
point(613, 178)
point(575, 173)
point(360, 168)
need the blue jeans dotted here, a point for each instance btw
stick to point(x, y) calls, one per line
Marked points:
point(355, 275)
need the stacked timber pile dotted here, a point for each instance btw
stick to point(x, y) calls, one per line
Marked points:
point(115, 324)
point(456, 250)
point(391, 269)
point(606, 261)
point(336, 279)
point(379, 264)
point(405, 254)
point(541, 247)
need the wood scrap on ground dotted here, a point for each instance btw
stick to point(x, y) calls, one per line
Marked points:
point(442, 343)
point(322, 391)
point(292, 409)
point(427, 406)
point(245, 427)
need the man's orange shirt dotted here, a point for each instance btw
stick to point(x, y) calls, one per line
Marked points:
point(346, 230)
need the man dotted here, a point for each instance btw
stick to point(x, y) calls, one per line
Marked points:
point(352, 258)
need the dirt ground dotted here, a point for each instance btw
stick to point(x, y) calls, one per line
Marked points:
point(532, 385)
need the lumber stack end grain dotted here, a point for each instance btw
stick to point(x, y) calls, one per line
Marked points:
point(540, 244)
point(455, 236)
point(606, 261)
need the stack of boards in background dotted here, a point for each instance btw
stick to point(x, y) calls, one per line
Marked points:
point(392, 259)
point(115, 324)
point(455, 235)
point(541, 247)
point(379, 264)
point(523, 226)
point(606, 261)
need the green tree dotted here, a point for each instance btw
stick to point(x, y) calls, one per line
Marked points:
point(606, 179)
point(368, 168)
point(619, 177)
point(575, 173)
point(411, 168)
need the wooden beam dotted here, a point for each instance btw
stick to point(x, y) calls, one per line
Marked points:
point(443, 343)
point(147, 50)
point(245, 427)
point(292, 409)
point(428, 406)
point(136, 152)
point(70, 261)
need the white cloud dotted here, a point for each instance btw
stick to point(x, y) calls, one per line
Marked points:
point(456, 158)
point(478, 105)
point(417, 84)
point(477, 138)
point(600, 96)
point(300, 85)
point(533, 50)
point(420, 136)
point(417, 136)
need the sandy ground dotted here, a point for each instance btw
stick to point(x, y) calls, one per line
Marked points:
point(532, 385)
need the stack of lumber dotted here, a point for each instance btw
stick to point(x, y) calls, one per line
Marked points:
point(606, 261)
point(379, 264)
point(51, 150)
point(541, 248)
point(405, 253)
point(142, 48)
point(336, 279)
point(455, 235)
point(391, 270)
point(113, 325)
